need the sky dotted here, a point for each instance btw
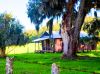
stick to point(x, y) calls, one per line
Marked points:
point(18, 9)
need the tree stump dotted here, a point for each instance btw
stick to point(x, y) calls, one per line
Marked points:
point(54, 69)
point(9, 65)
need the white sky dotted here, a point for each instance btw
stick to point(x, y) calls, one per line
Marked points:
point(18, 9)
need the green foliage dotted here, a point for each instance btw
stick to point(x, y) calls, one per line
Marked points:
point(11, 31)
point(38, 10)
point(93, 27)
point(31, 34)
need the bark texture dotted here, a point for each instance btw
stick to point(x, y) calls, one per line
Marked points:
point(70, 29)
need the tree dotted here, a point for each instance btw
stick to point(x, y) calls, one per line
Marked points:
point(31, 34)
point(93, 29)
point(10, 32)
point(73, 13)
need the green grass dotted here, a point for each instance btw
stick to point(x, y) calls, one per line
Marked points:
point(28, 62)
point(35, 63)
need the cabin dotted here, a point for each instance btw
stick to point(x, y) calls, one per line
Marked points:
point(54, 42)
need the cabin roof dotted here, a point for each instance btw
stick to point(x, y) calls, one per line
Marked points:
point(55, 35)
point(41, 39)
point(44, 34)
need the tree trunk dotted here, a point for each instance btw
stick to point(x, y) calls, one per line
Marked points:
point(65, 39)
point(69, 45)
point(2, 53)
point(70, 31)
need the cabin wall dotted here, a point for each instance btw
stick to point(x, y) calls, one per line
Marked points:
point(58, 45)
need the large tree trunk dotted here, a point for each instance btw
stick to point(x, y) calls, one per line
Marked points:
point(70, 31)
point(2, 52)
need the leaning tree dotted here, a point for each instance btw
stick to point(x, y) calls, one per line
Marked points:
point(10, 33)
point(72, 12)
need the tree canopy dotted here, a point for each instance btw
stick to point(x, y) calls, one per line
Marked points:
point(40, 9)
point(11, 31)
point(73, 13)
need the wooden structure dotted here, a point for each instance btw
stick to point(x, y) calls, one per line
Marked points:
point(55, 43)
point(58, 44)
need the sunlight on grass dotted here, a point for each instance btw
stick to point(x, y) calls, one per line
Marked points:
point(28, 48)
point(35, 63)
point(98, 71)
point(92, 55)
point(87, 54)
point(41, 63)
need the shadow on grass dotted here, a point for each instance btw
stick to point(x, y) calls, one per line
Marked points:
point(83, 63)
point(89, 58)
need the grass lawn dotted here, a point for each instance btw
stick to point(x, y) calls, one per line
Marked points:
point(35, 63)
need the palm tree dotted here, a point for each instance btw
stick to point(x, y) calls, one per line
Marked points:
point(73, 13)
